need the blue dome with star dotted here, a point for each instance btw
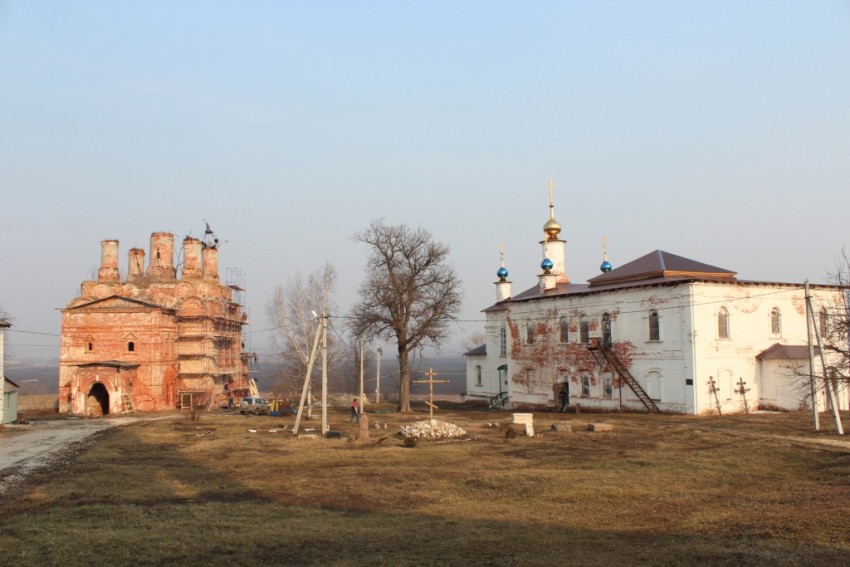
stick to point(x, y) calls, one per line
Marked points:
point(502, 273)
point(547, 264)
point(606, 266)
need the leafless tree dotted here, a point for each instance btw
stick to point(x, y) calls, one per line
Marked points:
point(834, 325)
point(475, 339)
point(291, 312)
point(410, 294)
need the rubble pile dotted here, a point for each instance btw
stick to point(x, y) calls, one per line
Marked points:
point(431, 430)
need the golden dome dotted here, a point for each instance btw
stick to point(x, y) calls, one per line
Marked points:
point(552, 227)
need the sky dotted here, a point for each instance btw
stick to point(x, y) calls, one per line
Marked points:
point(715, 130)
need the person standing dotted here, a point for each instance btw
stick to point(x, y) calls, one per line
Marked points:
point(355, 412)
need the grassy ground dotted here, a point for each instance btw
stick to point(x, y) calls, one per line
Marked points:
point(657, 490)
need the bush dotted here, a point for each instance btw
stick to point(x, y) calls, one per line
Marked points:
point(411, 442)
point(510, 432)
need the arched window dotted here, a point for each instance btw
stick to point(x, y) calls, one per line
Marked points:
point(584, 332)
point(503, 342)
point(607, 385)
point(529, 333)
point(723, 323)
point(585, 384)
point(823, 322)
point(775, 322)
point(606, 329)
point(654, 329)
point(565, 331)
point(478, 375)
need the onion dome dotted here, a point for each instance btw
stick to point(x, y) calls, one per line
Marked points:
point(547, 265)
point(552, 227)
point(502, 274)
point(606, 266)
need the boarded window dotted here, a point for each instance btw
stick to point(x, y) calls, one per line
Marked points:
point(503, 342)
point(775, 322)
point(584, 329)
point(723, 323)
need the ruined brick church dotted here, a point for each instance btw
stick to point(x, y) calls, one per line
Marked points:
point(155, 340)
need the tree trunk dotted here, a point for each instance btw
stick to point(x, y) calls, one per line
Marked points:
point(404, 382)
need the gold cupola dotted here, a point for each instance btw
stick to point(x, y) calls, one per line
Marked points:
point(552, 227)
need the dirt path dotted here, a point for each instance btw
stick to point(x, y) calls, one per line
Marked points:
point(26, 448)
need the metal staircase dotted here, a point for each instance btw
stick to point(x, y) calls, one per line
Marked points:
point(499, 401)
point(596, 346)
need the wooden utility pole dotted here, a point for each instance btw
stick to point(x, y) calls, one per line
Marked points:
point(325, 426)
point(360, 395)
point(814, 390)
point(378, 376)
point(430, 381)
point(307, 378)
point(810, 320)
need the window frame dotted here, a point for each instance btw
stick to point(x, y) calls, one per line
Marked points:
point(654, 326)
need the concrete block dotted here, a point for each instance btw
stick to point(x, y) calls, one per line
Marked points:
point(523, 418)
point(562, 427)
point(600, 427)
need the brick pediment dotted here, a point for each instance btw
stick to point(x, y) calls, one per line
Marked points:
point(116, 302)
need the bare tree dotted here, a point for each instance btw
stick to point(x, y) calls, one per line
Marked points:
point(291, 311)
point(410, 294)
point(475, 339)
point(834, 325)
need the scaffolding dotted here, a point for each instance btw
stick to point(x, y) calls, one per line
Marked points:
point(250, 361)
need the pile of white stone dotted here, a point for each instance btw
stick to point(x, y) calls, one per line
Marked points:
point(432, 430)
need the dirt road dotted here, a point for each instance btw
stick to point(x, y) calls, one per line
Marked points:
point(25, 448)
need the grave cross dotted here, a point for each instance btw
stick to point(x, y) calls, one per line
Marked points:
point(743, 391)
point(712, 388)
point(430, 381)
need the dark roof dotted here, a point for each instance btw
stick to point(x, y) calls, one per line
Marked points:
point(10, 382)
point(4, 323)
point(661, 264)
point(786, 352)
point(123, 299)
point(476, 351)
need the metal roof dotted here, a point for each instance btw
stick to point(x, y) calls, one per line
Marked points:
point(661, 264)
point(786, 352)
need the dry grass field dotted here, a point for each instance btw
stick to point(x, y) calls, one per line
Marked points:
point(657, 490)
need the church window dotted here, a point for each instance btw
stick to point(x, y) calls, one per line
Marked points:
point(775, 321)
point(90, 346)
point(478, 375)
point(503, 342)
point(131, 346)
point(584, 329)
point(723, 323)
point(654, 326)
point(585, 384)
point(606, 329)
point(565, 331)
point(529, 333)
point(823, 322)
point(607, 385)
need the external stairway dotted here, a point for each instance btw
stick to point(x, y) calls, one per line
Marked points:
point(600, 348)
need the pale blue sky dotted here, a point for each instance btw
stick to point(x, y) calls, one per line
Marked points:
point(715, 130)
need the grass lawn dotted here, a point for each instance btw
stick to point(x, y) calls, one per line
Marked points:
point(657, 490)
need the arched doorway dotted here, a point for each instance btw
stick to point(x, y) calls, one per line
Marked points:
point(97, 400)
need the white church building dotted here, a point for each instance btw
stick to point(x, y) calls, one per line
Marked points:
point(659, 333)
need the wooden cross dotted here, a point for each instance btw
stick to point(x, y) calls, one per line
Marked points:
point(430, 381)
point(712, 387)
point(551, 185)
point(743, 391)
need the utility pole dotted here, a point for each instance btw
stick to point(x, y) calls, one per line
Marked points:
point(810, 316)
point(307, 379)
point(378, 377)
point(360, 396)
point(811, 360)
point(325, 373)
